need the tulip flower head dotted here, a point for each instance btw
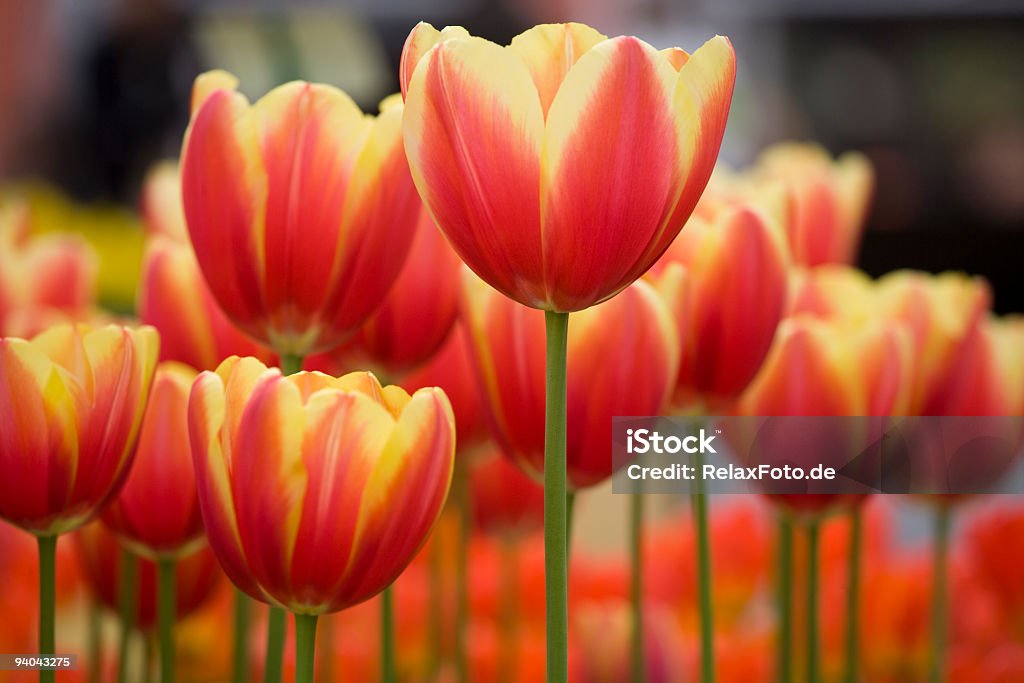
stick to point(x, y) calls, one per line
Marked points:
point(156, 511)
point(725, 280)
point(300, 208)
point(71, 403)
point(561, 166)
point(316, 492)
point(623, 359)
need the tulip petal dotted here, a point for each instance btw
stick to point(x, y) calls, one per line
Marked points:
point(311, 134)
point(610, 166)
point(473, 125)
point(423, 37)
point(550, 50)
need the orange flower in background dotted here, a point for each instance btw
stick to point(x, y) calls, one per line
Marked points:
point(833, 292)
point(604, 636)
point(623, 358)
point(420, 309)
point(71, 402)
point(505, 501)
point(825, 202)
point(512, 151)
point(316, 492)
point(725, 280)
point(160, 202)
point(196, 576)
point(940, 311)
point(452, 370)
point(175, 299)
point(157, 511)
point(42, 278)
point(300, 208)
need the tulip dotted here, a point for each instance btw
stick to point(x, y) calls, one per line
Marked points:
point(70, 410)
point(511, 151)
point(725, 280)
point(316, 492)
point(623, 359)
point(505, 501)
point(175, 299)
point(825, 201)
point(41, 277)
point(160, 202)
point(420, 309)
point(300, 208)
point(941, 311)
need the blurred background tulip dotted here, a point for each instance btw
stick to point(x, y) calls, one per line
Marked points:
point(725, 280)
point(300, 208)
point(156, 511)
point(623, 356)
point(533, 173)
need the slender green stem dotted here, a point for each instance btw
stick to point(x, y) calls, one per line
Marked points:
point(940, 593)
point(305, 647)
point(387, 637)
point(707, 624)
point(127, 606)
point(556, 535)
point(166, 602)
point(290, 364)
point(464, 502)
point(509, 610)
point(240, 647)
point(47, 601)
point(853, 595)
point(785, 599)
point(148, 657)
point(272, 668)
point(813, 647)
point(636, 588)
point(436, 604)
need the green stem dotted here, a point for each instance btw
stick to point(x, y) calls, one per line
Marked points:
point(636, 589)
point(464, 502)
point(813, 647)
point(785, 599)
point(95, 641)
point(940, 593)
point(707, 625)
point(47, 601)
point(165, 618)
point(853, 595)
point(240, 647)
point(272, 668)
point(127, 606)
point(305, 647)
point(436, 603)
point(556, 535)
point(148, 656)
point(290, 364)
point(387, 637)
point(509, 611)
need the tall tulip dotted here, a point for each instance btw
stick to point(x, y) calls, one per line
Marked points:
point(316, 492)
point(726, 282)
point(300, 208)
point(71, 404)
point(157, 511)
point(512, 151)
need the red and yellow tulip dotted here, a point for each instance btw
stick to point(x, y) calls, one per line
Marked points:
point(157, 512)
point(300, 208)
point(316, 492)
point(71, 403)
point(623, 359)
point(514, 154)
point(725, 280)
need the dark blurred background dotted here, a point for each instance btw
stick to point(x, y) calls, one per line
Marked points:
point(932, 91)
